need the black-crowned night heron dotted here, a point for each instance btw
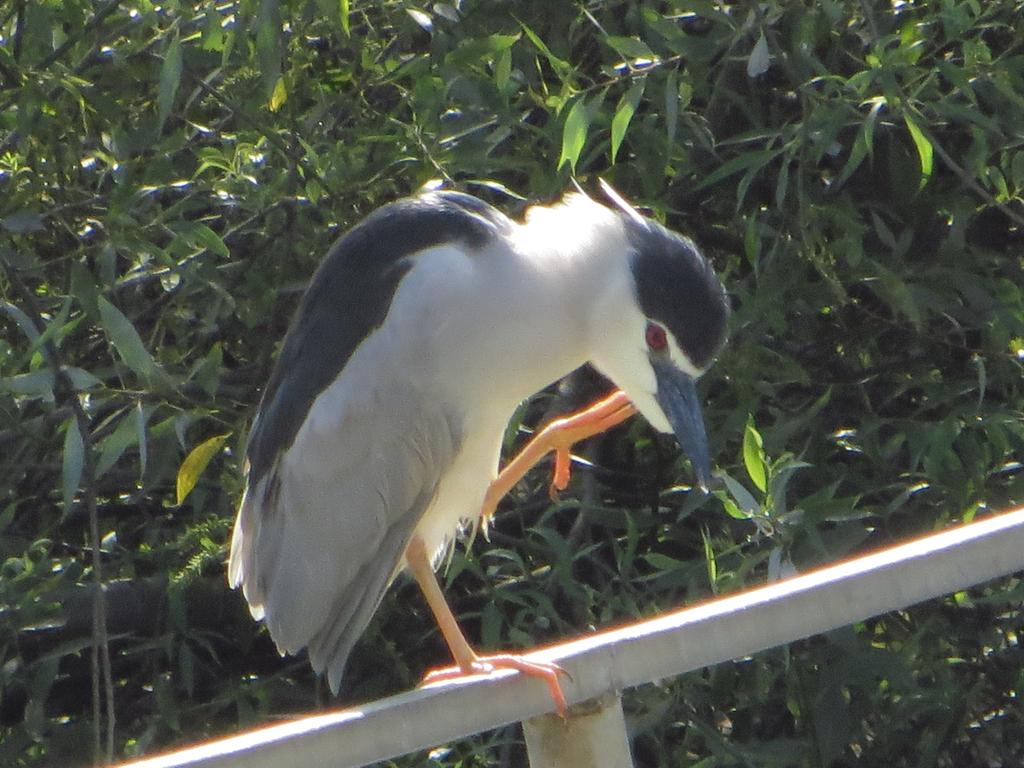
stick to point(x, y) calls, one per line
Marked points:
point(426, 325)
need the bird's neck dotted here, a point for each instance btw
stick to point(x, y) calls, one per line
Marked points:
point(576, 255)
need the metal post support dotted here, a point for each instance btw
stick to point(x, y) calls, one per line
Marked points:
point(592, 736)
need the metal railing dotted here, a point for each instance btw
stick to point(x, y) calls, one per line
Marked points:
point(603, 664)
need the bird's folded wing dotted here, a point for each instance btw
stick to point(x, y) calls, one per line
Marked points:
point(319, 537)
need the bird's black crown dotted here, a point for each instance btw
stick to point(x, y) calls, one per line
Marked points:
point(677, 286)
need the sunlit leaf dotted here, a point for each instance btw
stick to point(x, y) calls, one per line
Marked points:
point(194, 464)
point(343, 11)
point(753, 456)
point(422, 19)
point(574, 134)
point(924, 149)
point(709, 559)
point(278, 96)
point(624, 113)
point(731, 508)
point(213, 33)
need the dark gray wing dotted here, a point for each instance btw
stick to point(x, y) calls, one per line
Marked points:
point(348, 297)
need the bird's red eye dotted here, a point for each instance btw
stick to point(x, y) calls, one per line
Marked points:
point(656, 337)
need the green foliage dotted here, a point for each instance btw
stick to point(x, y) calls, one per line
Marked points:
point(171, 173)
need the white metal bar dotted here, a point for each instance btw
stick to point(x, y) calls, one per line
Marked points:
point(609, 661)
point(592, 736)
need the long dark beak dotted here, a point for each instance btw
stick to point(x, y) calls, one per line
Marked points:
point(677, 397)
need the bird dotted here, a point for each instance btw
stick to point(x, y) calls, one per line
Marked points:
point(378, 435)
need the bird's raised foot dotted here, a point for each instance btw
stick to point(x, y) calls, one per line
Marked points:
point(558, 436)
point(485, 665)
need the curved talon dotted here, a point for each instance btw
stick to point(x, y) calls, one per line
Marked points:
point(560, 480)
point(549, 672)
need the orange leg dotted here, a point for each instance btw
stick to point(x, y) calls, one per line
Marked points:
point(558, 436)
point(466, 659)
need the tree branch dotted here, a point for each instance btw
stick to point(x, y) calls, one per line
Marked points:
point(102, 753)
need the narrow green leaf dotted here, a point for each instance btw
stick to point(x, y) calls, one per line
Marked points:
point(782, 184)
point(114, 445)
point(194, 464)
point(863, 145)
point(574, 135)
point(343, 13)
point(753, 456)
point(74, 460)
point(761, 160)
point(562, 68)
point(710, 559)
point(81, 379)
point(128, 343)
point(664, 562)
point(56, 327)
point(201, 235)
point(782, 471)
point(743, 162)
point(170, 79)
point(924, 149)
point(895, 292)
point(630, 47)
point(140, 436)
point(38, 383)
point(1017, 172)
point(23, 320)
point(731, 508)
point(760, 58)
point(624, 113)
point(979, 366)
point(671, 106)
point(84, 289)
point(744, 499)
point(503, 69)
point(207, 371)
point(269, 49)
